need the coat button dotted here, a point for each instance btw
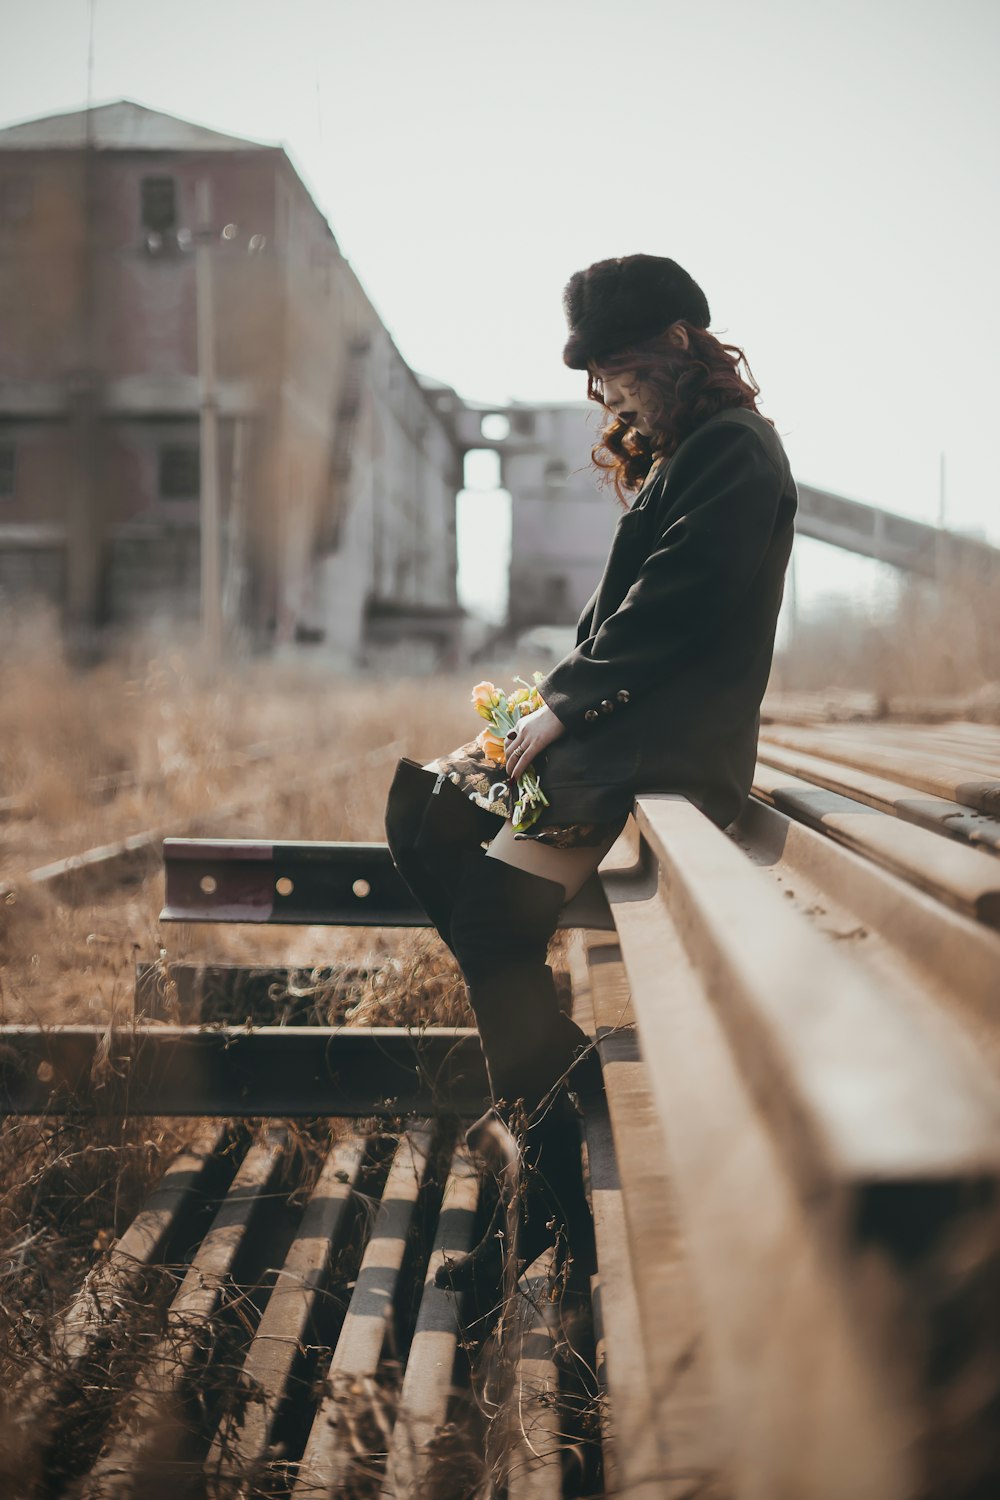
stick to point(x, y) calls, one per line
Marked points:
point(607, 707)
point(622, 695)
point(591, 715)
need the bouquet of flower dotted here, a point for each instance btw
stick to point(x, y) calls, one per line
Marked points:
point(501, 711)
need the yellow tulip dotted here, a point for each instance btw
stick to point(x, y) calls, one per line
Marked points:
point(492, 746)
point(484, 697)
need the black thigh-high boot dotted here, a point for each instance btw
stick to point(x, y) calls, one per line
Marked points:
point(546, 1186)
point(431, 826)
point(502, 920)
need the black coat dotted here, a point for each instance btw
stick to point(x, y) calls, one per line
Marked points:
point(662, 691)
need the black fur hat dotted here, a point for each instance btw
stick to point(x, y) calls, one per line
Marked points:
point(614, 303)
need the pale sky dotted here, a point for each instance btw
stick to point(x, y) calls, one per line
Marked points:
point(826, 172)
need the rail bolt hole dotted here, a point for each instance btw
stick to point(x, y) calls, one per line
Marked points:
point(45, 1072)
point(361, 888)
point(284, 886)
point(208, 884)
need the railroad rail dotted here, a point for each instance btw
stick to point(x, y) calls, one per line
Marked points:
point(76, 877)
point(794, 1172)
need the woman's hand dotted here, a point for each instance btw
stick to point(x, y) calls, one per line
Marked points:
point(534, 732)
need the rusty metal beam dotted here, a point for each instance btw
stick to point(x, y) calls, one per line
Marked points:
point(866, 1132)
point(156, 1419)
point(767, 1284)
point(286, 1071)
point(310, 883)
point(966, 879)
point(925, 771)
point(888, 795)
point(330, 1466)
point(843, 1071)
point(666, 1436)
point(416, 1460)
point(533, 1461)
point(86, 1332)
point(285, 1328)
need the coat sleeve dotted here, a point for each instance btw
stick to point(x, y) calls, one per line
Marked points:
point(725, 496)
point(583, 624)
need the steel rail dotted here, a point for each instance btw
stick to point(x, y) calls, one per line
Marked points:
point(290, 1317)
point(155, 1419)
point(982, 758)
point(73, 876)
point(329, 1463)
point(285, 1071)
point(776, 1297)
point(88, 1328)
point(725, 972)
point(414, 1465)
point(928, 955)
point(665, 1435)
point(965, 878)
point(924, 772)
point(533, 1462)
point(307, 882)
point(936, 813)
point(852, 1087)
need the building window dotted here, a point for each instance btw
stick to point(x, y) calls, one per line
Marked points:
point(556, 473)
point(6, 471)
point(180, 471)
point(159, 203)
point(495, 426)
point(524, 423)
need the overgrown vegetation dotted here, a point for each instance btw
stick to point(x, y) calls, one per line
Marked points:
point(940, 642)
point(150, 741)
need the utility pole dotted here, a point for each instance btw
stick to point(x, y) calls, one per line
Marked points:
point(85, 552)
point(793, 599)
point(940, 560)
point(211, 600)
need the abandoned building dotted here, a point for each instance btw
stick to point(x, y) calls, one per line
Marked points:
point(336, 475)
point(336, 466)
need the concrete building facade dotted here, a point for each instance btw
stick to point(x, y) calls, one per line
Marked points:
point(337, 473)
point(562, 519)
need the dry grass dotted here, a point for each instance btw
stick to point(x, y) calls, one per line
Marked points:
point(177, 735)
point(940, 642)
point(169, 737)
point(151, 741)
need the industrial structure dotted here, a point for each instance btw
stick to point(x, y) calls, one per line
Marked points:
point(336, 475)
point(203, 417)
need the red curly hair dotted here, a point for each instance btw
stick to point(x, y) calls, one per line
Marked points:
point(692, 385)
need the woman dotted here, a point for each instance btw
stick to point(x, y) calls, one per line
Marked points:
point(660, 693)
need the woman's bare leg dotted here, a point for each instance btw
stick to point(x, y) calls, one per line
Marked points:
point(571, 867)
